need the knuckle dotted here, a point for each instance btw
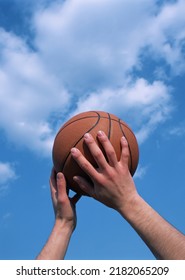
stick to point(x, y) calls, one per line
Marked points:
point(110, 153)
point(97, 154)
point(88, 138)
point(126, 154)
point(104, 138)
point(124, 140)
point(110, 173)
point(84, 165)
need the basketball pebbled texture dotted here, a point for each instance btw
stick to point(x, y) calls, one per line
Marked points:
point(71, 135)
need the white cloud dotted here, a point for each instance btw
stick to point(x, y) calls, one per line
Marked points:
point(178, 130)
point(7, 173)
point(141, 104)
point(84, 56)
point(96, 42)
point(29, 95)
point(138, 94)
point(140, 172)
point(166, 35)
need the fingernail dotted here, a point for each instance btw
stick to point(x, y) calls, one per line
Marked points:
point(60, 176)
point(124, 139)
point(75, 178)
point(100, 133)
point(74, 151)
point(87, 135)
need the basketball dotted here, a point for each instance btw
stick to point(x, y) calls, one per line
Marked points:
point(71, 135)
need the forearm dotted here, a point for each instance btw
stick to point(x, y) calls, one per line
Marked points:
point(56, 246)
point(164, 240)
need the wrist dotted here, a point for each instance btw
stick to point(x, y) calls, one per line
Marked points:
point(63, 225)
point(132, 207)
point(56, 246)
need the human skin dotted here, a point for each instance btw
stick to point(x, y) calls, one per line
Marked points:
point(113, 185)
point(65, 219)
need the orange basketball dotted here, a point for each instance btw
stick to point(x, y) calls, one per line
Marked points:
point(71, 135)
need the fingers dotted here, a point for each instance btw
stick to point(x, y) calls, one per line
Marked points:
point(83, 162)
point(125, 154)
point(53, 185)
point(61, 186)
point(109, 150)
point(98, 154)
point(95, 151)
point(59, 189)
point(57, 185)
point(53, 179)
point(84, 185)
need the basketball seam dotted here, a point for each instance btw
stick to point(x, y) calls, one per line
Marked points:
point(75, 121)
point(119, 121)
point(80, 140)
point(109, 133)
point(79, 119)
point(128, 146)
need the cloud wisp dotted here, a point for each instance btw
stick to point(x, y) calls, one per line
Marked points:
point(7, 175)
point(89, 55)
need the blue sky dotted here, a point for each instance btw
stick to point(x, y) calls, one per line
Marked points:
point(59, 58)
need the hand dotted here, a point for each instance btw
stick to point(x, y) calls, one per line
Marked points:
point(64, 207)
point(113, 185)
point(112, 182)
